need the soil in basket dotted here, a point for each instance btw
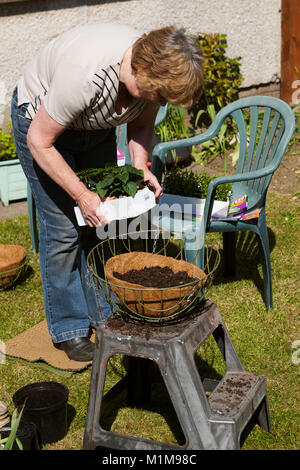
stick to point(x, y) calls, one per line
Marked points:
point(155, 276)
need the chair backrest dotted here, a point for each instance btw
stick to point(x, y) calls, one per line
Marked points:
point(265, 126)
point(121, 132)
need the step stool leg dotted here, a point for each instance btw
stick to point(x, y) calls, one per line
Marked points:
point(263, 416)
point(188, 397)
point(227, 348)
point(96, 393)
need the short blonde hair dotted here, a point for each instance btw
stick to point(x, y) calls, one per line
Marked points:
point(169, 61)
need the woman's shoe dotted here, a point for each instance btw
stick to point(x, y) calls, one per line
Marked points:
point(78, 349)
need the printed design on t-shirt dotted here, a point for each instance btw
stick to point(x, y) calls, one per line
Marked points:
point(34, 106)
point(101, 113)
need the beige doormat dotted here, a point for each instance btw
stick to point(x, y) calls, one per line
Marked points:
point(35, 344)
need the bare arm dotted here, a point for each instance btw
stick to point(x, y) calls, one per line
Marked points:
point(41, 137)
point(139, 134)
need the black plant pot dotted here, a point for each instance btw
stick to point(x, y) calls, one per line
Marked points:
point(26, 433)
point(46, 407)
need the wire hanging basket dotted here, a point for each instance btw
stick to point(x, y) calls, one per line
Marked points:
point(115, 257)
point(13, 264)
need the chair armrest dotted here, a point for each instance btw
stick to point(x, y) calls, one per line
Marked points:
point(161, 149)
point(211, 190)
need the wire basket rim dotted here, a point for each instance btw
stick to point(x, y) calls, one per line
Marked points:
point(91, 266)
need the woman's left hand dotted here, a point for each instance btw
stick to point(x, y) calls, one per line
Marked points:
point(152, 181)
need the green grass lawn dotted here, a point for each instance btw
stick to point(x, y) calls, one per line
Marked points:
point(263, 339)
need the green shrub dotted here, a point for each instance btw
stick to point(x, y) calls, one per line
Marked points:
point(7, 146)
point(222, 76)
point(185, 182)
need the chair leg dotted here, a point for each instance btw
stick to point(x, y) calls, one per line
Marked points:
point(229, 241)
point(266, 264)
point(195, 257)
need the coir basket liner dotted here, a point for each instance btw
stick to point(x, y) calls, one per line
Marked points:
point(12, 259)
point(152, 302)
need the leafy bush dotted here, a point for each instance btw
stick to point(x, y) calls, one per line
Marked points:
point(222, 76)
point(7, 146)
point(185, 182)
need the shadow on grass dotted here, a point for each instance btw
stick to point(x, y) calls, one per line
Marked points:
point(143, 388)
point(248, 259)
point(71, 413)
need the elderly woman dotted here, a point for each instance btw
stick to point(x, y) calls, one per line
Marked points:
point(65, 109)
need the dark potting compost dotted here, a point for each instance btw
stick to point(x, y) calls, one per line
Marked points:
point(155, 276)
point(146, 289)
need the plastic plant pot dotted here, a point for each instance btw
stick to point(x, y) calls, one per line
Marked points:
point(46, 407)
point(26, 433)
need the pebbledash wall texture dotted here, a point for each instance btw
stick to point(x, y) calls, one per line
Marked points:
point(253, 31)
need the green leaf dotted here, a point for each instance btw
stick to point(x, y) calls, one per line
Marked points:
point(211, 111)
point(15, 421)
point(130, 188)
point(136, 171)
point(101, 191)
point(106, 182)
point(199, 114)
point(123, 177)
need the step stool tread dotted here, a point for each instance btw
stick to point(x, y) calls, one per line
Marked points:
point(233, 393)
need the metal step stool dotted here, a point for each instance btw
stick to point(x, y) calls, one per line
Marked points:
point(214, 422)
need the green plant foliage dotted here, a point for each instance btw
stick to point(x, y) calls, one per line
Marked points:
point(222, 81)
point(185, 182)
point(7, 146)
point(113, 180)
point(218, 145)
point(174, 126)
point(222, 76)
point(8, 442)
point(295, 140)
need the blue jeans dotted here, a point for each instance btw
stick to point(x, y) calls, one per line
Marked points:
point(72, 305)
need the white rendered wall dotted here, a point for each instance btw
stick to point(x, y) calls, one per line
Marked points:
point(252, 27)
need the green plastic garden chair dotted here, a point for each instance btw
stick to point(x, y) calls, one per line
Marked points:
point(121, 139)
point(263, 135)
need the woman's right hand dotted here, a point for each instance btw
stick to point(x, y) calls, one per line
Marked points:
point(89, 203)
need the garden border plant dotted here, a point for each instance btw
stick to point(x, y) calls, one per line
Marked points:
point(174, 127)
point(7, 146)
point(222, 81)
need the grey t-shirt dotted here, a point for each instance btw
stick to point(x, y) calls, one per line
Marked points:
point(76, 77)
